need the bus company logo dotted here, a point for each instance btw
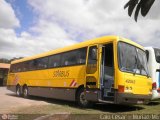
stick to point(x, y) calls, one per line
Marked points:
point(4, 117)
point(73, 83)
point(16, 79)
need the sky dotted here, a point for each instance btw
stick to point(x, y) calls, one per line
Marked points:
point(29, 27)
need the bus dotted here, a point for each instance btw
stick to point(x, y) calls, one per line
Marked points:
point(153, 59)
point(109, 69)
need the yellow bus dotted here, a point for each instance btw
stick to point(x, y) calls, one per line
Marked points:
point(109, 69)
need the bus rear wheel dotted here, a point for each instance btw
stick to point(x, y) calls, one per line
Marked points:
point(81, 99)
point(18, 91)
point(25, 92)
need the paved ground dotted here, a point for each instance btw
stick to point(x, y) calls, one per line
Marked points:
point(9, 102)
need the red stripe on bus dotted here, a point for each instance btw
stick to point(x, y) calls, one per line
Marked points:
point(75, 83)
point(71, 83)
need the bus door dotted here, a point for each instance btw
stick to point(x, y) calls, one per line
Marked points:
point(92, 70)
point(107, 72)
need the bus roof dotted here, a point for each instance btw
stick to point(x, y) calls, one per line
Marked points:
point(79, 45)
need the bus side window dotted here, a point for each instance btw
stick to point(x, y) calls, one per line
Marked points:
point(19, 67)
point(69, 58)
point(92, 57)
point(41, 63)
point(15, 68)
point(54, 60)
point(92, 60)
point(81, 56)
point(12, 68)
point(25, 68)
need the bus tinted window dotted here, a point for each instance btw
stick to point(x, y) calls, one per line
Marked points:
point(92, 56)
point(81, 56)
point(41, 63)
point(15, 68)
point(19, 67)
point(26, 66)
point(69, 58)
point(74, 57)
point(12, 68)
point(54, 60)
point(31, 65)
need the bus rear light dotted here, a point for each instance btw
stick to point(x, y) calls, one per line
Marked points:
point(154, 86)
point(120, 88)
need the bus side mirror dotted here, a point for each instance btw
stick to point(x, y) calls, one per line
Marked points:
point(158, 59)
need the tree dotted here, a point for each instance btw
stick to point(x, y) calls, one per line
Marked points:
point(16, 58)
point(143, 5)
point(4, 60)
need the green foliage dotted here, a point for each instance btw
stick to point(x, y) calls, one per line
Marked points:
point(143, 5)
point(5, 60)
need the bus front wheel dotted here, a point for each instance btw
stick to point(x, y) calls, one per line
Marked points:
point(81, 99)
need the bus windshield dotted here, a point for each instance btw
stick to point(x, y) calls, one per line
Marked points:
point(132, 59)
point(157, 54)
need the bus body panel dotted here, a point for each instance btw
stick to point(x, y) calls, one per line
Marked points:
point(137, 84)
point(137, 89)
point(56, 77)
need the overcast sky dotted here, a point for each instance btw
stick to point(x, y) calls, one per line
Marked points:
point(28, 27)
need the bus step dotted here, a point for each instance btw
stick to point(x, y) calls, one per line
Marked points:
point(109, 98)
point(110, 94)
point(112, 89)
point(109, 90)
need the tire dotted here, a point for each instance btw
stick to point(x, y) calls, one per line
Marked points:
point(18, 91)
point(25, 92)
point(81, 99)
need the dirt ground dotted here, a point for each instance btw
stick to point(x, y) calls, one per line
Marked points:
point(35, 108)
point(9, 102)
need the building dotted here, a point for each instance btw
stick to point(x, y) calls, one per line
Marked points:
point(3, 73)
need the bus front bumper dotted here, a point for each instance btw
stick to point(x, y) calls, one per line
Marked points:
point(129, 98)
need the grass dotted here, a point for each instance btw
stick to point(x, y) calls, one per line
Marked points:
point(69, 108)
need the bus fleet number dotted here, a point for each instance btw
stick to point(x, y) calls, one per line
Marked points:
point(130, 81)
